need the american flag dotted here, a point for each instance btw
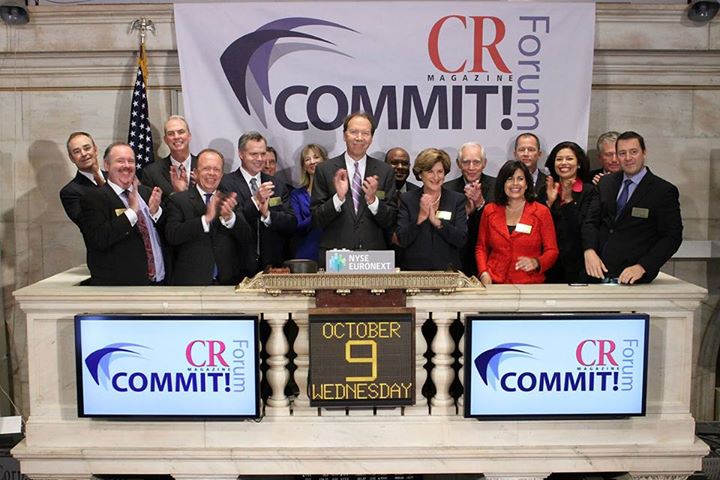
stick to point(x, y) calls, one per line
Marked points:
point(139, 134)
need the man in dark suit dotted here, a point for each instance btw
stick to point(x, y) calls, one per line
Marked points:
point(205, 229)
point(399, 159)
point(353, 197)
point(606, 155)
point(265, 204)
point(527, 150)
point(174, 172)
point(118, 222)
point(634, 225)
point(478, 189)
point(83, 153)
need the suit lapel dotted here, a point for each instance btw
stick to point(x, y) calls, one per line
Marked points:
point(81, 179)
point(500, 222)
point(243, 189)
point(197, 202)
point(614, 188)
point(166, 169)
point(113, 199)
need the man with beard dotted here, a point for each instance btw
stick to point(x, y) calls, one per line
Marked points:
point(118, 223)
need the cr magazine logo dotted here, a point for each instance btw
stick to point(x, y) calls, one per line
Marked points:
point(246, 62)
point(98, 362)
point(488, 362)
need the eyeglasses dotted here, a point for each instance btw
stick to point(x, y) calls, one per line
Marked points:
point(360, 133)
point(471, 163)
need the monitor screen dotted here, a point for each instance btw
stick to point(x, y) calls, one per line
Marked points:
point(167, 366)
point(555, 365)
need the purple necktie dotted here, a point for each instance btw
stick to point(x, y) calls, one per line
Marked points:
point(356, 187)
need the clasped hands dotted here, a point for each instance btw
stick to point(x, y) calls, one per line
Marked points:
point(369, 186)
point(221, 204)
point(473, 196)
point(153, 202)
point(428, 210)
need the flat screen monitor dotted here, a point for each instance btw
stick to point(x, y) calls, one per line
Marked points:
point(555, 365)
point(155, 366)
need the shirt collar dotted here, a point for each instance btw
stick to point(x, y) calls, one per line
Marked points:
point(350, 163)
point(248, 176)
point(202, 192)
point(637, 177)
point(88, 175)
point(118, 189)
point(185, 163)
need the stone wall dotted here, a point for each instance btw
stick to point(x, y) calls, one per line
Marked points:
point(71, 69)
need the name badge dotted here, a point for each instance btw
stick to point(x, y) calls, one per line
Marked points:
point(638, 212)
point(275, 201)
point(380, 194)
point(523, 228)
point(119, 211)
point(443, 215)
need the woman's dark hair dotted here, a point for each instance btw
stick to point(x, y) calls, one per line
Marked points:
point(583, 171)
point(507, 171)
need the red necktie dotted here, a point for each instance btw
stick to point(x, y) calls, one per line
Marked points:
point(145, 234)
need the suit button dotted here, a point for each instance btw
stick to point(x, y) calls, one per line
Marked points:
point(612, 230)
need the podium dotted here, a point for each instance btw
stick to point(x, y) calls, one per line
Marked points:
point(293, 438)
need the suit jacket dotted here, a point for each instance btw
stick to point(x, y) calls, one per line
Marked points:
point(273, 239)
point(540, 188)
point(115, 249)
point(427, 247)
point(568, 220)
point(467, 252)
point(346, 229)
point(71, 194)
point(498, 249)
point(647, 232)
point(195, 252)
point(157, 174)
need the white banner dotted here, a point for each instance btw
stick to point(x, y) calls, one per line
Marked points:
point(433, 74)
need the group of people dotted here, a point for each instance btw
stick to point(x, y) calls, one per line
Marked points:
point(184, 222)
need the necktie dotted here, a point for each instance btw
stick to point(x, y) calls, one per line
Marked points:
point(356, 187)
point(145, 235)
point(182, 172)
point(208, 196)
point(623, 198)
point(99, 179)
point(253, 191)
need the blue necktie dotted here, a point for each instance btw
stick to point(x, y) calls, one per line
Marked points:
point(208, 196)
point(623, 198)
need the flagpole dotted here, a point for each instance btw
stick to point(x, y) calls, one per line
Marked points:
point(139, 131)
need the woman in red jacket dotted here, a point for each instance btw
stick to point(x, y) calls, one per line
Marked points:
point(516, 238)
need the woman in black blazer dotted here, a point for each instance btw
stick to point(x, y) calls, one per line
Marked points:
point(569, 192)
point(432, 223)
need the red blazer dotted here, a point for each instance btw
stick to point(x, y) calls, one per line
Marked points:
point(497, 249)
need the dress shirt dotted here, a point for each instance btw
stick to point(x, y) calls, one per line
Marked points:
point(206, 226)
point(350, 167)
point(154, 237)
point(89, 176)
point(247, 177)
point(635, 179)
point(187, 164)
